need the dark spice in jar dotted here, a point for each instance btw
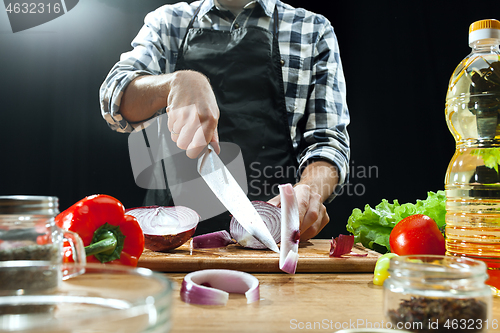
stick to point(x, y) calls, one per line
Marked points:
point(26, 309)
point(426, 314)
point(30, 252)
point(29, 278)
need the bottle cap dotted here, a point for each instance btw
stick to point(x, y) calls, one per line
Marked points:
point(484, 29)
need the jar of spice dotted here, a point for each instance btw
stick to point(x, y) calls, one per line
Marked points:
point(428, 293)
point(31, 245)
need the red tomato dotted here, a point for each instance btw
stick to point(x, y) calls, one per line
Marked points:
point(417, 234)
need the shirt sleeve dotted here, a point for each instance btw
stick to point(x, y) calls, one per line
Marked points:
point(325, 135)
point(148, 57)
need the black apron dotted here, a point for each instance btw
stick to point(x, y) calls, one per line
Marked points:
point(244, 69)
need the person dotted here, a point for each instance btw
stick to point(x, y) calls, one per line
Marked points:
point(259, 73)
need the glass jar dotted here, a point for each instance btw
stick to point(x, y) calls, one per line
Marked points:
point(428, 293)
point(29, 234)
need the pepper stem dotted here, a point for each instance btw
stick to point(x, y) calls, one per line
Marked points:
point(106, 245)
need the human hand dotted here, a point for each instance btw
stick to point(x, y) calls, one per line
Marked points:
point(312, 213)
point(193, 113)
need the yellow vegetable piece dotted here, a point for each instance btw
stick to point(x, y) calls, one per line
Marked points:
point(381, 273)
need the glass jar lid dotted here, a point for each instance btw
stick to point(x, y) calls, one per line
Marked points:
point(29, 205)
point(438, 272)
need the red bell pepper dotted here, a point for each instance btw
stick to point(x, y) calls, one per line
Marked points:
point(108, 234)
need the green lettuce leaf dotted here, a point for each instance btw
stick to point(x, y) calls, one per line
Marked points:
point(490, 156)
point(373, 226)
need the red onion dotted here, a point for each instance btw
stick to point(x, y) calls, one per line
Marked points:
point(342, 245)
point(165, 228)
point(211, 240)
point(290, 233)
point(212, 286)
point(271, 215)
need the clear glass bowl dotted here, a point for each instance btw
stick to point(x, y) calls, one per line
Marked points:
point(105, 298)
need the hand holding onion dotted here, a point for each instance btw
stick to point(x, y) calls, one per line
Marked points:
point(317, 182)
point(312, 213)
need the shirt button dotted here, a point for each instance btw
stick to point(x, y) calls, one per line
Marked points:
point(282, 62)
point(236, 25)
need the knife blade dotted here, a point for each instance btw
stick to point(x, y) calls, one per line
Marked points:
point(229, 192)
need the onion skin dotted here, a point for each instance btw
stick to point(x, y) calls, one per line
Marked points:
point(290, 233)
point(212, 286)
point(271, 215)
point(163, 243)
point(165, 228)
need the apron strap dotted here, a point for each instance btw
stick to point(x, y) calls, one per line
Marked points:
point(190, 25)
point(276, 22)
point(194, 16)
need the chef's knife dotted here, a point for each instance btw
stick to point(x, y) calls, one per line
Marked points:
point(229, 192)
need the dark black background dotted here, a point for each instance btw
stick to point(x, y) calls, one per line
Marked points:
point(397, 58)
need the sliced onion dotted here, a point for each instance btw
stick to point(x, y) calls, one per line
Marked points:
point(289, 265)
point(341, 245)
point(211, 240)
point(165, 228)
point(290, 232)
point(271, 215)
point(212, 286)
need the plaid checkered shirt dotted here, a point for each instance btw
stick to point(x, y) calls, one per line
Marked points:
point(315, 89)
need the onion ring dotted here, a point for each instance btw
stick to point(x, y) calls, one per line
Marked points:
point(212, 286)
point(290, 233)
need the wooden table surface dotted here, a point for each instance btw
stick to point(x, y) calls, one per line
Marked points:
point(305, 302)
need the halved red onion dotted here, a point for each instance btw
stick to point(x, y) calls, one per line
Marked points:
point(165, 228)
point(290, 232)
point(342, 245)
point(271, 215)
point(212, 286)
point(211, 240)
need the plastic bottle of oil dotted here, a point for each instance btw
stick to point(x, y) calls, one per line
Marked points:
point(472, 180)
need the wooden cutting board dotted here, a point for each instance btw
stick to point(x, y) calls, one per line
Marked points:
point(313, 258)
